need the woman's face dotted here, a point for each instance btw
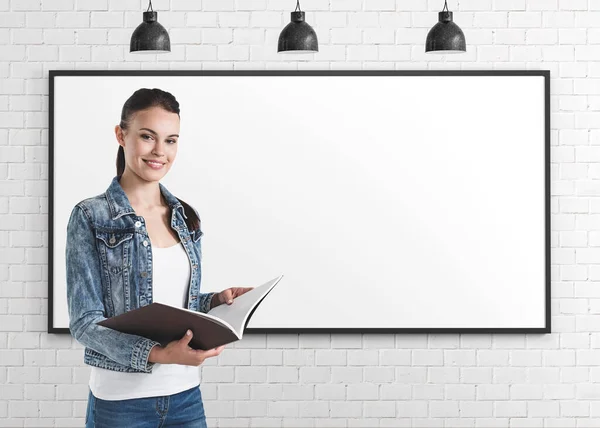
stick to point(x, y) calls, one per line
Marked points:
point(152, 135)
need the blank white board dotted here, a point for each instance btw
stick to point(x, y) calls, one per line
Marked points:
point(412, 201)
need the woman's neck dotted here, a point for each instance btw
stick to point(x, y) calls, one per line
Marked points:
point(141, 193)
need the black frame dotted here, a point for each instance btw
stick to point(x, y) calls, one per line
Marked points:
point(544, 73)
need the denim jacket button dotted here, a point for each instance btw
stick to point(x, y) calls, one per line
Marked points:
point(144, 274)
point(145, 243)
point(112, 239)
point(138, 223)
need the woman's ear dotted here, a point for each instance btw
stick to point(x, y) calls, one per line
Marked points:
point(119, 135)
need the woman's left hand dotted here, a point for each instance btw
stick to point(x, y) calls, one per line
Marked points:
point(227, 295)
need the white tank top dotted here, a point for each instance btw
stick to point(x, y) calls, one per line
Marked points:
point(171, 272)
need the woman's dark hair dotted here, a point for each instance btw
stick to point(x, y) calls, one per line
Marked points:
point(143, 99)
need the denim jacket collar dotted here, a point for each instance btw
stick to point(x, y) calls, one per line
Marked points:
point(119, 203)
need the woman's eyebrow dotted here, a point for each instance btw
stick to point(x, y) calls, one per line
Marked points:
point(149, 130)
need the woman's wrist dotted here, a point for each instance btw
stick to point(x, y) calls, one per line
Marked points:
point(156, 355)
point(214, 302)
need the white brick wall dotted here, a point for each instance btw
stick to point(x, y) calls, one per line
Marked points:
point(345, 380)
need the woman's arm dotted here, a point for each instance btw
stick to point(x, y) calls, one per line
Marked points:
point(85, 302)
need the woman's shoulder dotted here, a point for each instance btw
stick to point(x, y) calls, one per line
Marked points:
point(95, 207)
point(92, 202)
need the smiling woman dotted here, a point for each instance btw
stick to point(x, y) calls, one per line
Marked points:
point(115, 263)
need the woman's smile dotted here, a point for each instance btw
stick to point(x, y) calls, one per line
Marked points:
point(154, 165)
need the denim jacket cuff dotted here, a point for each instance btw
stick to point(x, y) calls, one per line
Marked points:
point(140, 354)
point(205, 300)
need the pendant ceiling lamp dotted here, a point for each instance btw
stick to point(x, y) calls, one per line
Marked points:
point(297, 36)
point(445, 37)
point(150, 37)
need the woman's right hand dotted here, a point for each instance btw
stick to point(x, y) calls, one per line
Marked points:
point(178, 352)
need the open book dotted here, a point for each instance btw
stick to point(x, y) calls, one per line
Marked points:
point(164, 323)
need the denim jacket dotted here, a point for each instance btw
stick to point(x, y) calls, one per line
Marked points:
point(109, 272)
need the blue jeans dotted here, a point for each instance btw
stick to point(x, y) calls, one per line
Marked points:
point(184, 409)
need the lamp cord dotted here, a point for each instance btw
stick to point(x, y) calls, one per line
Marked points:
point(150, 7)
point(445, 6)
point(297, 6)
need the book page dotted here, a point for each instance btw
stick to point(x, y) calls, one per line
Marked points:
point(207, 316)
point(237, 313)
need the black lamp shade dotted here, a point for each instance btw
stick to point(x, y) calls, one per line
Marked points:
point(298, 36)
point(150, 36)
point(445, 36)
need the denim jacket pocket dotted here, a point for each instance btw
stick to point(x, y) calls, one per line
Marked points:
point(113, 238)
point(115, 254)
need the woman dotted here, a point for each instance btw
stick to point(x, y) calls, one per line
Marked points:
point(130, 246)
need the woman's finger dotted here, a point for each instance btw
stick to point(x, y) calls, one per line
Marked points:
point(208, 353)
